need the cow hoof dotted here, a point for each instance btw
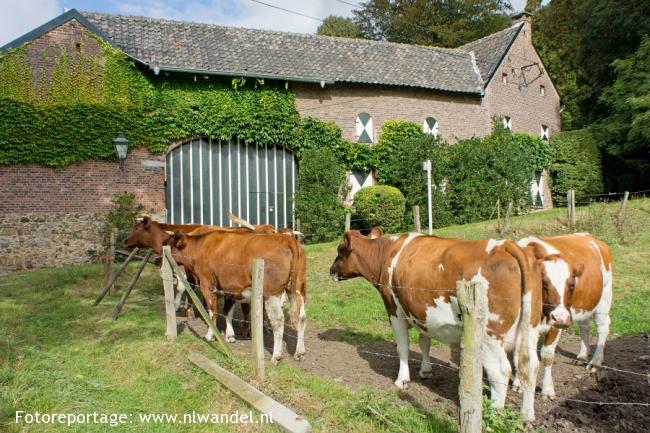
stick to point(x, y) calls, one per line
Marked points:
point(275, 360)
point(426, 374)
point(230, 338)
point(299, 356)
point(402, 384)
point(209, 337)
point(548, 396)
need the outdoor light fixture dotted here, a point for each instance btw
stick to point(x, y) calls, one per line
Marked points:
point(121, 145)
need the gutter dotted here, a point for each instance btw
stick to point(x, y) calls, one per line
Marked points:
point(240, 74)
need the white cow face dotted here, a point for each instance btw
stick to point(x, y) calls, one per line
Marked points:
point(558, 281)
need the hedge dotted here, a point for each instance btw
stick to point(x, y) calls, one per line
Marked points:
point(379, 205)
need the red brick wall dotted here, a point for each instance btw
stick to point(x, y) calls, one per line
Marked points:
point(459, 116)
point(86, 187)
point(519, 99)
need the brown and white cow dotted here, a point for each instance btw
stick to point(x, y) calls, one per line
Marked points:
point(416, 276)
point(577, 273)
point(148, 233)
point(223, 261)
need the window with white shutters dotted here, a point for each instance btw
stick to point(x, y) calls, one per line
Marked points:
point(430, 126)
point(364, 128)
point(507, 122)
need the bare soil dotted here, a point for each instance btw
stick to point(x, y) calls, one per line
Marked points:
point(374, 364)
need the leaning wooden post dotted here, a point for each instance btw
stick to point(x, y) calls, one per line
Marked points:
point(472, 299)
point(111, 280)
point(168, 283)
point(118, 307)
point(257, 319)
point(167, 257)
point(416, 218)
point(623, 203)
point(111, 261)
point(348, 221)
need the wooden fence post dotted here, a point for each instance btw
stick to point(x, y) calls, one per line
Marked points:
point(168, 283)
point(167, 257)
point(118, 307)
point(348, 221)
point(472, 299)
point(257, 319)
point(623, 203)
point(111, 280)
point(571, 208)
point(111, 261)
point(416, 218)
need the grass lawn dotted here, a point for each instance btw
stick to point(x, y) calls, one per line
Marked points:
point(58, 353)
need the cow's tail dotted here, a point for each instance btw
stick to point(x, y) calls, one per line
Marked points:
point(523, 327)
point(297, 286)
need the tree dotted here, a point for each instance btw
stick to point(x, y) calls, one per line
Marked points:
point(532, 5)
point(339, 26)
point(446, 23)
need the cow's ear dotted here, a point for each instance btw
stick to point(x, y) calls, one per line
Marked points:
point(346, 238)
point(375, 233)
point(146, 222)
point(179, 240)
point(578, 270)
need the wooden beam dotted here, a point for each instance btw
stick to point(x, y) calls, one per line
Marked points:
point(118, 307)
point(111, 280)
point(111, 261)
point(281, 415)
point(168, 284)
point(257, 319)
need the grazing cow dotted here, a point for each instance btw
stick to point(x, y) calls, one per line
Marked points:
point(577, 278)
point(416, 276)
point(223, 260)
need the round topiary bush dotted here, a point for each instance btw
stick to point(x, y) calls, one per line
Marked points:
point(379, 205)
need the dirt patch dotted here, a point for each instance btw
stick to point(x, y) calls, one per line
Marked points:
point(374, 364)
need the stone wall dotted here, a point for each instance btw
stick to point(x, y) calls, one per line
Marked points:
point(44, 239)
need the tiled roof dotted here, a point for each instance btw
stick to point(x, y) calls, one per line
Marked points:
point(489, 51)
point(178, 45)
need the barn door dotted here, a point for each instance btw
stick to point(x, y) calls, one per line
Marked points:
point(207, 178)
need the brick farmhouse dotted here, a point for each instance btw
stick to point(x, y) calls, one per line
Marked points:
point(50, 217)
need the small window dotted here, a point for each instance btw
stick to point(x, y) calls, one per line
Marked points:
point(504, 78)
point(507, 122)
point(542, 90)
point(364, 128)
point(430, 126)
point(544, 133)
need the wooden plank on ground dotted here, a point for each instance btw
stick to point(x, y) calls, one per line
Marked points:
point(282, 416)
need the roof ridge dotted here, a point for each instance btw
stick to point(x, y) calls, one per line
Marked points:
point(519, 24)
point(451, 51)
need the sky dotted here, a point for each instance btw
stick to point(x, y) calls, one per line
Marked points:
point(18, 17)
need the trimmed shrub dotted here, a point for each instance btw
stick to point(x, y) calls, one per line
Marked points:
point(576, 164)
point(406, 174)
point(379, 205)
point(393, 133)
point(319, 198)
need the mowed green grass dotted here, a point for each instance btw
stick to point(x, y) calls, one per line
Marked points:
point(59, 354)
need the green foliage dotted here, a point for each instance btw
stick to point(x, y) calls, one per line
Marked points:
point(504, 420)
point(627, 129)
point(425, 22)
point(122, 217)
point(339, 26)
point(318, 200)
point(379, 205)
point(576, 164)
point(404, 171)
point(393, 133)
point(497, 167)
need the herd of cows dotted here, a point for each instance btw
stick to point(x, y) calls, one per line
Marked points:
point(536, 287)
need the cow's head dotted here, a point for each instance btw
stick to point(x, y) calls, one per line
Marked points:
point(177, 241)
point(140, 235)
point(348, 263)
point(559, 280)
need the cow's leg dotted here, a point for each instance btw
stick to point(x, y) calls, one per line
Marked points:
point(498, 369)
point(548, 356)
point(274, 312)
point(246, 313)
point(400, 328)
point(228, 311)
point(583, 354)
point(425, 347)
point(602, 331)
point(516, 383)
point(212, 304)
point(528, 374)
point(300, 327)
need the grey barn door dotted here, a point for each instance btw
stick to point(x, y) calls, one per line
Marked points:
point(207, 178)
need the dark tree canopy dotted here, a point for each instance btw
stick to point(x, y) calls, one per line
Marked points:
point(339, 26)
point(445, 23)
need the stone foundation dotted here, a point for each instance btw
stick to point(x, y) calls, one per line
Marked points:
point(49, 239)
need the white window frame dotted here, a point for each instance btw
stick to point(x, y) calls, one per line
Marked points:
point(507, 122)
